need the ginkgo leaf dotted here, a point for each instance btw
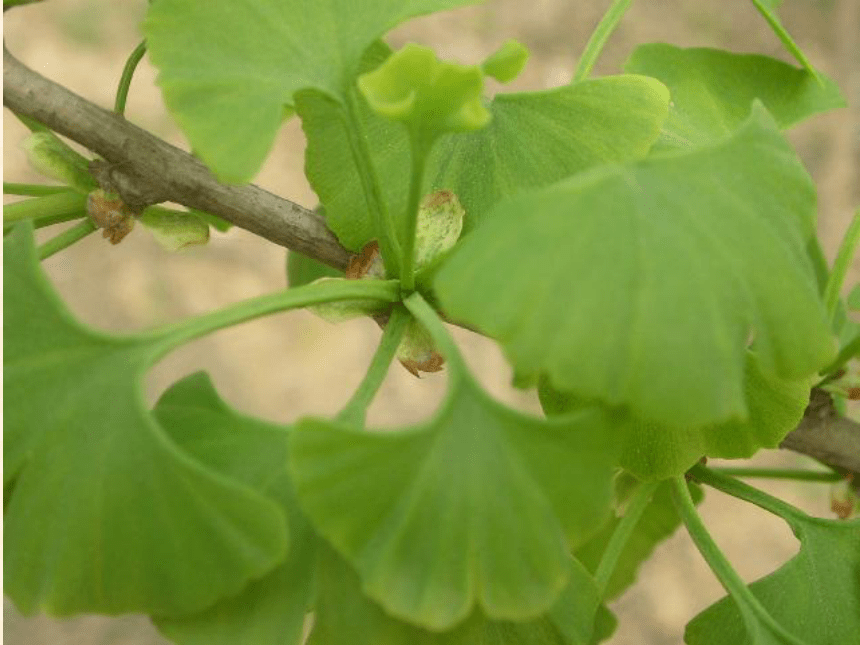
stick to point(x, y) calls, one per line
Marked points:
point(302, 270)
point(532, 140)
point(227, 69)
point(666, 268)
point(767, 8)
point(474, 508)
point(654, 450)
point(344, 616)
point(815, 596)
point(712, 90)
point(107, 514)
point(271, 610)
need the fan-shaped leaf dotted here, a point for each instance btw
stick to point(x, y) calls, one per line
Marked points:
point(666, 268)
point(107, 514)
point(479, 506)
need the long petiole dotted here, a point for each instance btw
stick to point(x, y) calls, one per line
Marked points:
point(599, 37)
point(743, 491)
point(65, 239)
point(68, 202)
point(780, 473)
point(32, 190)
point(355, 410)
point(383, 225)
point(127, 73)
point(407, 259)
point(622, 533)
point(842, 263)
point(752, 611)
point(434, 326)
point(176, 334)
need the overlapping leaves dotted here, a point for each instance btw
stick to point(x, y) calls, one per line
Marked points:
point(532, 140)
point(475, 508)
point(666, 268)
point(712, 90)
point(270, 610)
point(106, 513)
point(228, 69)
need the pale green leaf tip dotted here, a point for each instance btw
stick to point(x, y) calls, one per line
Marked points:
point(428, 95)
point(506, 63)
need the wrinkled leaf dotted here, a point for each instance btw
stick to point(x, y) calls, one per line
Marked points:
point(815, 596)
point(174, 230)
point(107, 514)
point(667, 266)
point(532, 140)
point(476, 507)
point(712, 90)
point(228, 69)
point(271, 610)
point(346, 617)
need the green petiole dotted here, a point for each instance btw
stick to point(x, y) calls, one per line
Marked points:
point(780, 473)
point(68, 202)
point(844, 257)
point(407, 259)
point(354, 411)
point(176, 334)
point(622, 533)
point(65, 239)
point(32, 190)
point(599, 37)
point(754, 615)
point(127, 73)
point(431, 321)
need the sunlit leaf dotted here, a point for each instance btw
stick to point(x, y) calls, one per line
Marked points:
point(815, 596)
point(532, 140)
point(476, 507)
point(107, 513)
point(665, 269)
point(506, 63)
point(227, 69)
point(345, 616)
point(712, 90)
point(271, 610)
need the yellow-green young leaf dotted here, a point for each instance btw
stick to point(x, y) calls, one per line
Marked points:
point(174, 230)
point(106, 513)
point(270, 610)
point(430, 97)
point(52, 157)
point(476, 508)
point(640, 285)
point(532, 140)
point(344, 616)
point(815, 596)
point(506, 63)
point(228, 69)
point(712, 90)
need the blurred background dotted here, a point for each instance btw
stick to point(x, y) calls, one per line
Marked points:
point(290, 365)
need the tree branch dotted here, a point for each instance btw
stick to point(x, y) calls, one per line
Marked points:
point(145, 170)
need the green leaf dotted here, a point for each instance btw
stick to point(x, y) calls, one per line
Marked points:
point(430, 97)
point(853, 299)
point(668, 266)
point(228, 69)
point(532, 140)
point(655, 450)
point(302, 270)
point(712, 90)
point(815, 596)
point(270, 610)
point(54, 158)
point(346, 617)
point(659, 521)
point(477, 506)
point(107, 514)
point(506, 63)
